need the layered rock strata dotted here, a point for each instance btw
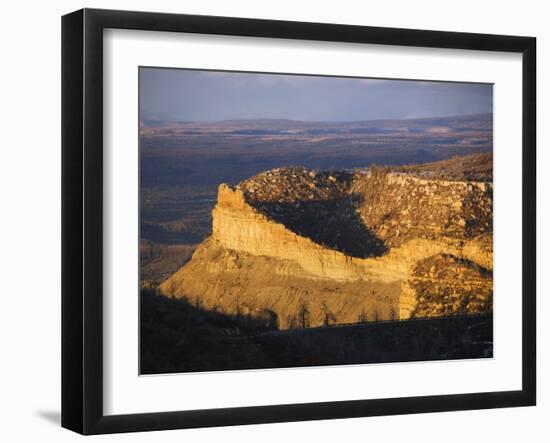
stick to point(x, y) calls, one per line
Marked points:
point(309, 248)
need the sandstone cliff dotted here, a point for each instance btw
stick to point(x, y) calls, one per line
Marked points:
point(311, 248)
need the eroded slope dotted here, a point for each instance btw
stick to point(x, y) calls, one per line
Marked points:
point(311, 248)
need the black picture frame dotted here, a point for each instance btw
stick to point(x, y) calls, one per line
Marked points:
point(82, 219)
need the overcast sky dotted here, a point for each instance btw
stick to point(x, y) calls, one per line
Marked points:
point(186, 95)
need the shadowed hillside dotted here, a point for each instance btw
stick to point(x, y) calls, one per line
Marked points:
point(177, 336)
point(319, 205)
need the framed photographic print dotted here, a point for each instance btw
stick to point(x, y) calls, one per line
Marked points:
point(269, 221)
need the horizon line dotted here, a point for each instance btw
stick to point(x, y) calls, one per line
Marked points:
point(267, 119)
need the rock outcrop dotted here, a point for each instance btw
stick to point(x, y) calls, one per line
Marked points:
point(313, 248)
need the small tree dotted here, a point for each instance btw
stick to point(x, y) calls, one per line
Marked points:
point(363, 317)
point(238, 309)
point(328, 317)
point(303, 315)
point(198, 302)
point(173, 288)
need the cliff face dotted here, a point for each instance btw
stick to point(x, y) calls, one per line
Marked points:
point(309, 248)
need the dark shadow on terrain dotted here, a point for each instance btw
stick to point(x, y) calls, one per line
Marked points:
point(179, 337)
point(333, 223)
point(53, 417)
point(175, 333)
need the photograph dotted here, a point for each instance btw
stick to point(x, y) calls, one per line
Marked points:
point(290, 220)
point(243, 222)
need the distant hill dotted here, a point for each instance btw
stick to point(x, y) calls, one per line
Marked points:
point(441, 124)
point(475, 167)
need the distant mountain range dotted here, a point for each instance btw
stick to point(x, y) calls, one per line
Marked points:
point(282, 126)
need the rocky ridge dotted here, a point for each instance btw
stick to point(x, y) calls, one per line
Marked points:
point(313, 248)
